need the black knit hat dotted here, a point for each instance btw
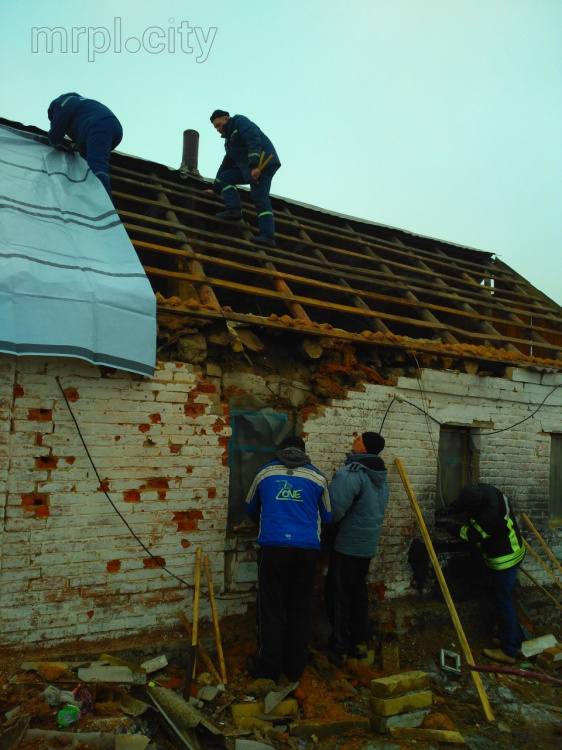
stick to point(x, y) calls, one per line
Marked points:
point(471, 495)
point(293, 441)
point(219, 113)
point(373, 442)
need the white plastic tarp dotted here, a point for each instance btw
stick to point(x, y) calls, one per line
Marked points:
point(71, 283)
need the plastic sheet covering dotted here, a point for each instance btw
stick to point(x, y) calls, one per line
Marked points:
point(256, 431)
point(71, 283)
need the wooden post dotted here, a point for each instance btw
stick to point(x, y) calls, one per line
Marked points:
point(541, 540)
point(193, 650)
point(215, 620)
point(201, 650)
point(534, 580)
point(444, 588)
point(538, 559)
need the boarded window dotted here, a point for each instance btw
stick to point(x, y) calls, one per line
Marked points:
point(255, 435)
point(555, 504)
point(456, 464)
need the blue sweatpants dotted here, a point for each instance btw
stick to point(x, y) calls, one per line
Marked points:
point(102, 137)
point(506, 616)
point(259, 194)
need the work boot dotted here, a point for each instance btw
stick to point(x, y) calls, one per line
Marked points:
point(262, 239)
point(357, 652)
point(230, 214)
point(497, 643)
point(336, 658)
point(496, 654)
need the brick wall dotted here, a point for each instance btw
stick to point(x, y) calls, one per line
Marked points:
point(70, 567)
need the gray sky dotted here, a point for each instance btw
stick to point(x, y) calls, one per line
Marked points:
point(441, 117)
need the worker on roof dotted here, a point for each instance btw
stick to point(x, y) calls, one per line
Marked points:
point(289, 499)
point(492, 526)
point(91, 126)
point(360, 494)
point(250, 158)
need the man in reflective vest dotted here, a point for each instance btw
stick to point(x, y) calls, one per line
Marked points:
point(492, 527)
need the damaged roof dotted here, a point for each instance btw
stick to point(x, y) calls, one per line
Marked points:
point(329, 274)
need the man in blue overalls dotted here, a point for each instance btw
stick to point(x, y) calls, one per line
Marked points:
point(91, 125)
point(250, 158)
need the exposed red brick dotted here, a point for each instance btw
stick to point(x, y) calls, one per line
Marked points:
point(33, 500)
point(155, 418)
point(205, 387)
point(179, 364)
point(70, 460)
point(219, 425)
point(153, 562)
point(40, 415)
point(113, 566)
point(131, 496)
point(38, 438)
point(187, 525)
point(42, 511)
point(174, 448)
point(202, 431)
point(144, 427)
point(71, 394)
point(104, 486)
point(18, 391)
point(379, 590)
point(46, 462)
point(185, 543)
point(90, 613)
point(117, 438)
point(162, 495)
point(211, 493)
point(193, 410)
point(158, 483)
point(223, 442)
point(189, 469)
point(194, 514)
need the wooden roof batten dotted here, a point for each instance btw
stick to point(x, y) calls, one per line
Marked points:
point(444, 290)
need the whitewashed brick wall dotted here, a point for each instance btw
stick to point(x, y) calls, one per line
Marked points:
point(69, 566)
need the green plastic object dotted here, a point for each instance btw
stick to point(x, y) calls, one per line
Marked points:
point(68, 715)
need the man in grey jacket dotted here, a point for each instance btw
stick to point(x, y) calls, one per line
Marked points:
point(359, 492)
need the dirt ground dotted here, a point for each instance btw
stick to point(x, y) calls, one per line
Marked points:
point(523, 708)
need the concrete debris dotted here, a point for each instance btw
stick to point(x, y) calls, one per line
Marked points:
point(152, 665)
point(537, 645)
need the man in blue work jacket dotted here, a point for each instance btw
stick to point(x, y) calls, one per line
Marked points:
point(250, 158)
point(91, 125)
point(289, 499)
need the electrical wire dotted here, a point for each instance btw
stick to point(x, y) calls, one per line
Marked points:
point(495, 432)
point(115, 508)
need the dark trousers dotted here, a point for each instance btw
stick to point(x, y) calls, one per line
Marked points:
point(503, 582)
point(347, 600)
point(259, 194)
point(103, 136)
point(285, 608)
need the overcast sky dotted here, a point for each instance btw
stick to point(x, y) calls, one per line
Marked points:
point(441, 117)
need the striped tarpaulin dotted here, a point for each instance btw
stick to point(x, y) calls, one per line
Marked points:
point(71, 283)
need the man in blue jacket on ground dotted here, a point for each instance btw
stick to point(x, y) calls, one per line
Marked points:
point(359, 492)
point(247, 148)
point(91, 125)
point(289, 499)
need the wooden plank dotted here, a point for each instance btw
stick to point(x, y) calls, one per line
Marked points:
point(141, 244)
point(445, 590)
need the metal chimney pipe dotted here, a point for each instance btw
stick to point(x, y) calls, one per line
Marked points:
point(190, 154)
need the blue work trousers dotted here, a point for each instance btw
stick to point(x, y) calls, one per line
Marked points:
point(259, 194)
point(102, 137)
point(503, 582)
